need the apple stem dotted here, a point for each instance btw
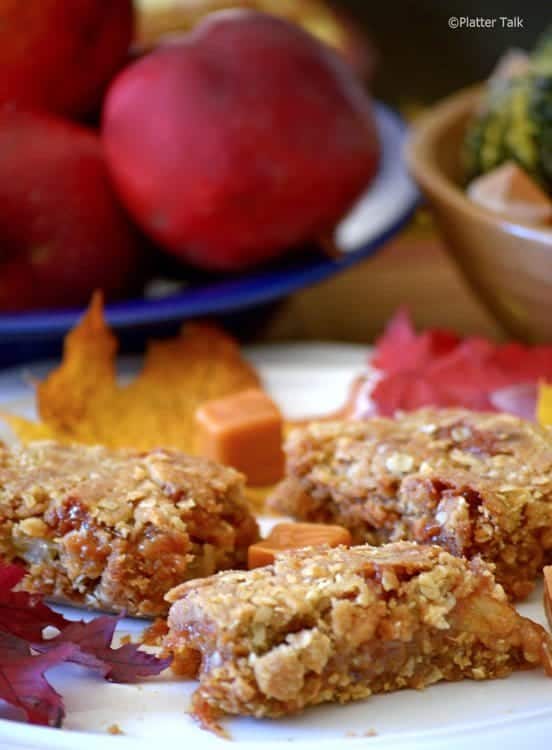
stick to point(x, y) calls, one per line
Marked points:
point(329, 246)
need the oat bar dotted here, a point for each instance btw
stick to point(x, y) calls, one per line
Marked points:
point(474, 483)
point(340, 624)
point(116, 530)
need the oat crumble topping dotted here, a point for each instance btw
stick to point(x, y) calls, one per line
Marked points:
point(340, 624)
point(474, 483)
point(115, 530)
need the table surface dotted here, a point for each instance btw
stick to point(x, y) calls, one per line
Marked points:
point(414, 270)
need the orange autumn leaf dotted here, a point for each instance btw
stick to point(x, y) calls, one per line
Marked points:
point(81, 401)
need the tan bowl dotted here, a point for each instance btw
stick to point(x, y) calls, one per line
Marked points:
point(508, 265)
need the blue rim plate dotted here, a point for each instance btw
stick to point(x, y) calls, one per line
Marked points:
point(387, 204)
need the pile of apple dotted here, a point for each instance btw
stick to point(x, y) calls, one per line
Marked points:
point(226, 147)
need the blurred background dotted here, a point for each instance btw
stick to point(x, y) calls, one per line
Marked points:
point(83, 208)
point(420, 61)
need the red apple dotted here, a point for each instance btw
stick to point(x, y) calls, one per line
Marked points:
point(59, 55)
point(63, 233)
point(243, 140)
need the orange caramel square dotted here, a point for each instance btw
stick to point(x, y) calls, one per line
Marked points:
point(286, 536)
point(510, 191)
point(243, 430)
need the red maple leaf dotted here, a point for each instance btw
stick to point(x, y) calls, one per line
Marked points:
point(23, 618)
point(400, 348)
point(438, 368)
point(10, 575)
point(93, 650)
point(23, 614)
point(22, 681)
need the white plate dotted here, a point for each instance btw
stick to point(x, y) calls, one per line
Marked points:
point(508, 713)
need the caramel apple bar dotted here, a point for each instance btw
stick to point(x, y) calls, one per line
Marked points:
point(116, 530)
point(339, 624)
point(474, 483)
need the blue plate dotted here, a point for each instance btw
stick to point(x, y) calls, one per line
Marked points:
point(388, 203)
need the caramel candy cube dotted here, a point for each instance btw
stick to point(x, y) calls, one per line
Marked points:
point(287, 536)
point(243, 430)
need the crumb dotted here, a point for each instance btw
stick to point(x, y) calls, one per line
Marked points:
point(370, 733)
point(126, 639)
point(114, 729)
point(154, 634)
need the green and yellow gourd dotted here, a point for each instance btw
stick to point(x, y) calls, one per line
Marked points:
point(514, 122)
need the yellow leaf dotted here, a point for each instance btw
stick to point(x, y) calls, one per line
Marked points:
point(544, 404)
point(81, 401)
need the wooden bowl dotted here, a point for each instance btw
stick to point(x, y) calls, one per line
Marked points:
point(509, 265)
